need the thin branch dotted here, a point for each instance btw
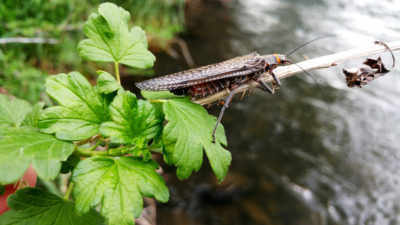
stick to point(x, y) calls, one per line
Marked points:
point(24, 40)
point(308, 65)
point(69, 190)
point(89, 152)
point(116, 67)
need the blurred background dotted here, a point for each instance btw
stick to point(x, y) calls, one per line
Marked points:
point(315, 153)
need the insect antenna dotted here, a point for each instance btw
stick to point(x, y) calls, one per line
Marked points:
point(307, 43)
point(309, 74)
point(320, 88)
point(306, 72)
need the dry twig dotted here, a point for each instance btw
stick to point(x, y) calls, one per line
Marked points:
point(25, 40)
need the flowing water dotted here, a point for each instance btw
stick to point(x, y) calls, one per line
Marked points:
point(315, 153)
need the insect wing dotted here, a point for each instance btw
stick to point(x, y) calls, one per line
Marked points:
point(238, 66)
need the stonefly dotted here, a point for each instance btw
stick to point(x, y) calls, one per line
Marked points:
point(230, 74)
point(207, 80)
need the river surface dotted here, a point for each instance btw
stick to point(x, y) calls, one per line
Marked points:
point(315, 153)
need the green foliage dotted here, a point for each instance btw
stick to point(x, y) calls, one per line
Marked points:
point(81, 111)
point(24, 17)
point(21, 80)
point(23, 72)
point(133, 121)
point(106, 83)
point(118, 184)
point(13, 111)
point(33, 117)
point(31, 206)
point(154, 95)
point(110, 39)
point(20, 147)
point(187, 133)
point(161, 19)
point(103, 135)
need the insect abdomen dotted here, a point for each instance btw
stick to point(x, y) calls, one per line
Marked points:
point(209, 88)
point(202, 89)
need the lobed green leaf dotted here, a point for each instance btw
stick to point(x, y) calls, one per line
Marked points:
point(13, 111)
point(81, 111)
point(20, 147)
point(106, 83)
point(187, 133)
point(158, 95)
point(133, 121)
point(110, 39)
point(119, 184)
point(32, 206)
point(33, 117)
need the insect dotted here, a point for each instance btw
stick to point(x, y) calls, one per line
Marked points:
point(207, 80)
point(230, 74)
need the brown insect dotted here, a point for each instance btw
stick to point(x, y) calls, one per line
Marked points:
point(207, 80)
point(230, 74)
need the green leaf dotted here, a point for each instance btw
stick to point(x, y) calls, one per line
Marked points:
point(187, 133)
point(33, 117)
point(30, 206)
point(106, 83)
point(133, 121)
point(110, 39)
point(158, 95)
point(82, 109)
point(13, 111)
point(21, 147)
point(119, 184)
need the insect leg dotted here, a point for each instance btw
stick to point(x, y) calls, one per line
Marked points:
point(221, 113)
point(265, 87)
point(269, 67)
point(278, 82)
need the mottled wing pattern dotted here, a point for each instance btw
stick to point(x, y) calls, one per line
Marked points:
point(239, 66)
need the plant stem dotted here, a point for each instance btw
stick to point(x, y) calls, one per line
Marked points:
point(69, 190)
point(82, 142)
point(158, 100)
point(94, 146)
point(116, 66)
point(89, 152)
